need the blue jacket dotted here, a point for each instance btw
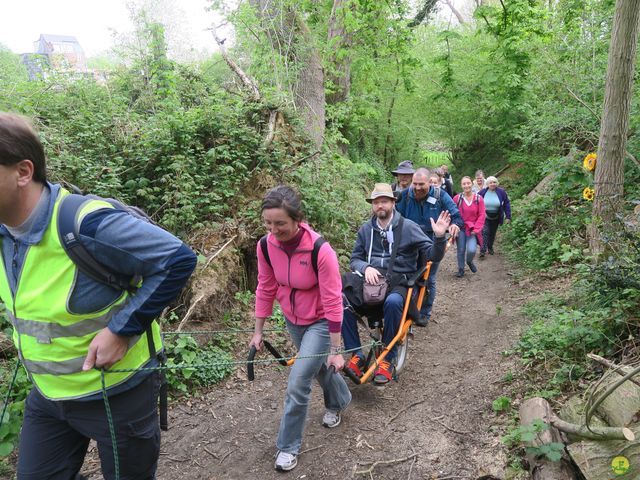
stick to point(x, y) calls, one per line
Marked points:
point(505, 204)
point(421, 211)
point(128, 245)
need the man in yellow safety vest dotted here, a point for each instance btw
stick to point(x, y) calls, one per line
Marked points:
point(67, 325)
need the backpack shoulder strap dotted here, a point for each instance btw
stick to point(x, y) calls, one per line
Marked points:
point(69, 213)
point(459, 202)
point(265, 250)
point(314, 253)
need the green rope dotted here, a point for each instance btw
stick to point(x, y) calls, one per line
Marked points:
point(7, 398)
point(187, 366)
point(112, 430)
point(105, 397)
point(220, 332)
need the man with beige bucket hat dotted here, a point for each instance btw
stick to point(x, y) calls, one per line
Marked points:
point(370, 259)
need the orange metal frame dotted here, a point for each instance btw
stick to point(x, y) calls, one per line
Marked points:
point(403, 330)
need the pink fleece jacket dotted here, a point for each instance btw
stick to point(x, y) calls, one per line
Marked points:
point(304, 297)
point(473, 215)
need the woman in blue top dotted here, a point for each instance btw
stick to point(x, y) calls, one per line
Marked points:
point(498, 211)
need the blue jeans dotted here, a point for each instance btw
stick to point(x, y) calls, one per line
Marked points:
point(431, 290)
point(392, 311)
point(310, 340)
point(466, 247)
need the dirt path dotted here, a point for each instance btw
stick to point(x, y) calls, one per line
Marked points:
point(454, 371)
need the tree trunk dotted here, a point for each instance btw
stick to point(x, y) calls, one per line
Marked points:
point(455, 11)
point(291, 38)
point(423, 13)
point(387, 140)
point(339, 40)
point(339, 74)
point(542, 468)
point(609, 175)
point(309, 97)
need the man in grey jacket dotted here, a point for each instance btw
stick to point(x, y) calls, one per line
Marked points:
point(370, 258)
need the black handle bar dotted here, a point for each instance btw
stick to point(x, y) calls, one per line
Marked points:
point(252, 355)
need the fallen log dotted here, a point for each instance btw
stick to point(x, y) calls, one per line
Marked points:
point(541, 468)
point(621, 404)
point(598, 459)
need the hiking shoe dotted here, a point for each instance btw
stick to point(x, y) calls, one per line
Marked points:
point(286, 461)
point(491, 251)
point(331, 418)
point(383, 373)
point(355, 366)
point(481, 254)
point(460, 273)
point(422, 321)
point(472, 267)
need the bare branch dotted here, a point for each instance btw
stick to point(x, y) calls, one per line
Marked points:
point(249, 84)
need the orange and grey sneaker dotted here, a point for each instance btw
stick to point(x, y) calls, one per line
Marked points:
point(383, 374)
point(355, 366)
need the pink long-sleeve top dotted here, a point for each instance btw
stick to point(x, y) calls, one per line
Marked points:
point(304, 297)
point(473, 215)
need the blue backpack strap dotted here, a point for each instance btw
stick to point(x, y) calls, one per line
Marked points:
point(69, 236)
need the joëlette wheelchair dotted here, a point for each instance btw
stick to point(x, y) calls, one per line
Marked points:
point(378, 351)
point(374, 325)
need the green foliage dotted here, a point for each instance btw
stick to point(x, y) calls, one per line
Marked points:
point(501, 404)
point(525, 433)
point(10, 427)
point(12, 71)
point(191, 365)
point(551, 227)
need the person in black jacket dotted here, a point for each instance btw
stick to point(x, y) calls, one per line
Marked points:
point(370, 259)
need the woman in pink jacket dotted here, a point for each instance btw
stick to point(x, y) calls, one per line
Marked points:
point(471, 206)
point(312, 306)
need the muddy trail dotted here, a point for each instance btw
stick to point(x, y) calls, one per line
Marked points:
point(435, 422)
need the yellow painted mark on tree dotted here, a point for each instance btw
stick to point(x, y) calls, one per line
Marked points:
point(620, 465)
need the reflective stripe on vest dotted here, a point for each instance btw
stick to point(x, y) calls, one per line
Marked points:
point(53, 342)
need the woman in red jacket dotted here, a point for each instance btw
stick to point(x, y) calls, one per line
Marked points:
point(312, 306)
point(471, 206)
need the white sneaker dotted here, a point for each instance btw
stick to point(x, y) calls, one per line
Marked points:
point(286, 461)
point(331, 418)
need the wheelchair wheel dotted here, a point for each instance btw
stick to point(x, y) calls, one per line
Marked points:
point(401, 354)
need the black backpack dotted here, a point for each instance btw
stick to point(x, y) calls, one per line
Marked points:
point(70, 239)
point(475, 197)
point(314, 253)
point(68, 210)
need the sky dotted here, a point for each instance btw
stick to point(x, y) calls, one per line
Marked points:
point(90, 21)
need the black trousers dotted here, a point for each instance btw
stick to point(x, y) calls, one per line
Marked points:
point(55, 435)
point(489, 234)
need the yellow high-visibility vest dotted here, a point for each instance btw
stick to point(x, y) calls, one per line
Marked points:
point(52, 342)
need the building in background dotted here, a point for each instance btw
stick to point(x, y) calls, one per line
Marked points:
point(61, 53)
